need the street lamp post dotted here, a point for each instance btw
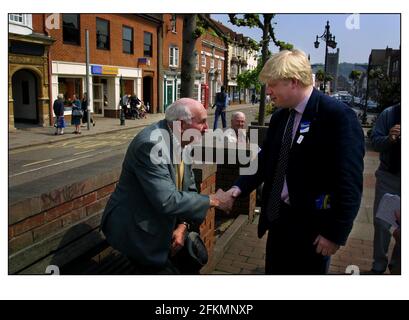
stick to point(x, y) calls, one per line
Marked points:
point(365, 108)
point(122, 111)
point(329, 42)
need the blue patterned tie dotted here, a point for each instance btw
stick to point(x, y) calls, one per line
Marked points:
point(273, 205)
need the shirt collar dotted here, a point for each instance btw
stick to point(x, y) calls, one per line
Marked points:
point(301, 106)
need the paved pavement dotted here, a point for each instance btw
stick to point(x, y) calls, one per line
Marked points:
point(244, 253)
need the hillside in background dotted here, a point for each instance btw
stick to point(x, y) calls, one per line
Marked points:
point(344, 68)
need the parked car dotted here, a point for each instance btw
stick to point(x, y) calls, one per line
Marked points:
point(372, 105)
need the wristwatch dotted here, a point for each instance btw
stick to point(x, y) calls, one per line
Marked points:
point(186, 224)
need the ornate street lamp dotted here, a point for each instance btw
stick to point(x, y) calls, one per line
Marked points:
point(329, 42)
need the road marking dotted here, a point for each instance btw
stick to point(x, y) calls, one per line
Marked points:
point(37, 162)
point(92, 145)
point(75, 154)
point(58, 163)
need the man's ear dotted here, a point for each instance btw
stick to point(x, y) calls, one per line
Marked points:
point(294, 83)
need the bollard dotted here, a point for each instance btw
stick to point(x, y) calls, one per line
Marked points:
point(122, 117)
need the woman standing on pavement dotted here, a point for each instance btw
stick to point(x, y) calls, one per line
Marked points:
point(84, 108)
point(76, 114)
point(58, 108)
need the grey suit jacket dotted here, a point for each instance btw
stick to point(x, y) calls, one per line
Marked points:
point(142, 212)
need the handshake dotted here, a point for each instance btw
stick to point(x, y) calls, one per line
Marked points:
point(224, 200)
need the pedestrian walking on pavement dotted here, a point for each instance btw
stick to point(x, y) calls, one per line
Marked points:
point(76, 114)
point(134, 103)
point(58, 108)
point(221, 106)
point(253, 98)
point(386, 140)
point(312, 167)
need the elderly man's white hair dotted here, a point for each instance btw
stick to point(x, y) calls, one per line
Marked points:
point(238, 113)
point(179, 110)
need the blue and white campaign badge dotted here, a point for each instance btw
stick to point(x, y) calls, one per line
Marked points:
point(305, 126)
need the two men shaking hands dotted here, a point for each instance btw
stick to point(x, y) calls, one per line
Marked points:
point(224, 200)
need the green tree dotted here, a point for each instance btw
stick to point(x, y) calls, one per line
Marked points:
point(194, 26)
point(355, 75)
point(265, 23)
point(387, 92)
point(249, 79)
point(322, 78)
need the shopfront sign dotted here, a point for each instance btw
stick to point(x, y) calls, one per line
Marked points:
point(95, 69)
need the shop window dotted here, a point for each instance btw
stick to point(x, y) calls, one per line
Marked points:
point(68, 87)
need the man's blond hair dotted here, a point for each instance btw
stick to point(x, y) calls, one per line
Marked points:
point(286, 65)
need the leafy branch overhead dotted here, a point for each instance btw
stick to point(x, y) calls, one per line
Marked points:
point(253, 20)
point(266, 26)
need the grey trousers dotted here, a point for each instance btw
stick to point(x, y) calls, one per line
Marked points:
point(385, 183)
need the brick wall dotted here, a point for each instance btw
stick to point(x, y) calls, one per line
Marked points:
point(49, 228)
point(115, 56)
point(225, 177)
point(205, 176)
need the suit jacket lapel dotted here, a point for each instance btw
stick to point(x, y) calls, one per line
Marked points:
point(163, 125)
point(307, 117)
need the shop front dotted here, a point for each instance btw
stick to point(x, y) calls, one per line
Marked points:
point(104, 81)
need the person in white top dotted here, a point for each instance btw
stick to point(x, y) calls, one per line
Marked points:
point(237, 133)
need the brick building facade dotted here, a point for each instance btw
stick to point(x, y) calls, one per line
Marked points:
point(144, 50)
point(120, 46)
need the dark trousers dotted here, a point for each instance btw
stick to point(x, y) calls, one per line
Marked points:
point(290, 249)
point(219, 112)
point(168, 269)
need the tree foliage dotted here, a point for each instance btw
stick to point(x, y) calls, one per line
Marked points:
point(355, 75)
point(387, 92)
point(249, 79)
point(266, 24)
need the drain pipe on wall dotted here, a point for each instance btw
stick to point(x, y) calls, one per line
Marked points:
point(49, 75)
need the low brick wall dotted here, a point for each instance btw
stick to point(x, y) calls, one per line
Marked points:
point(226, 175)
point(205, 176)
point(59, 226)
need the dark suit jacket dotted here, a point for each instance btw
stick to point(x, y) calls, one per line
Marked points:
point(328, 161)
point(142, 212)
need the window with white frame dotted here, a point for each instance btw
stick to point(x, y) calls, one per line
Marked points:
point(178, 91)
point(197, 62)
point(212, 63)
point(17, 17)
point(173, 56)
point(219, 64)
point(203, 79)
point(203, 60)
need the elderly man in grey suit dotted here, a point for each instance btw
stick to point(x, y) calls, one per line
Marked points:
point(148, 213)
